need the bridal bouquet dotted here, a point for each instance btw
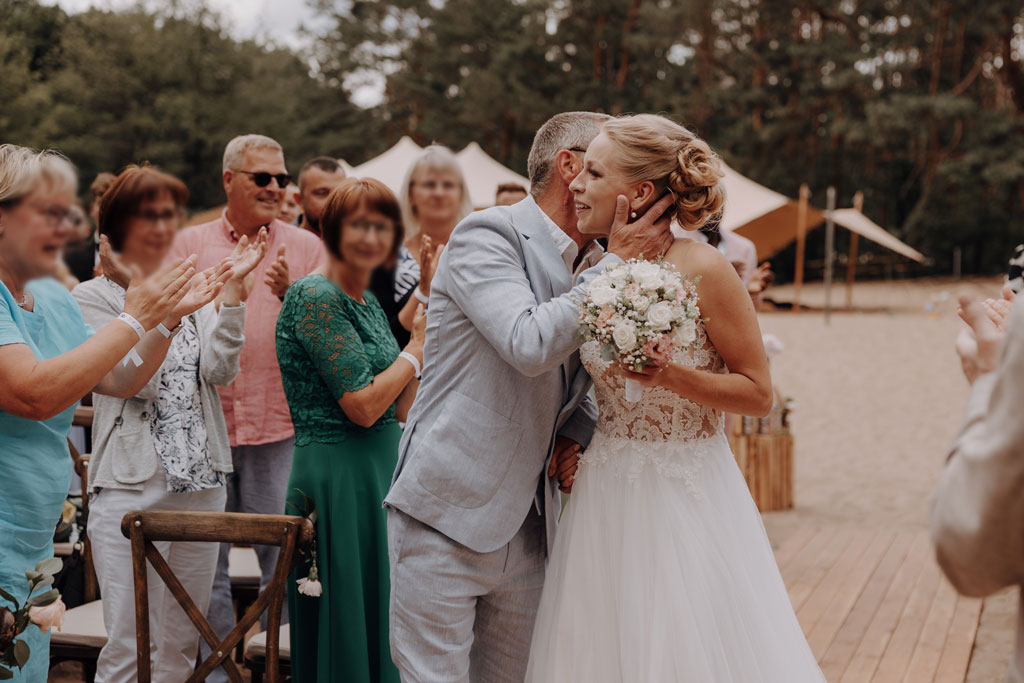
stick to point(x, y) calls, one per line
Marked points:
point(641, 312)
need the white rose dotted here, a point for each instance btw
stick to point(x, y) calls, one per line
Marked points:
point(624, 335)
point(603, 296)
point(618, 275)
point(659, 315)
point(640, 303)
point(646, 271)
point(685, 334)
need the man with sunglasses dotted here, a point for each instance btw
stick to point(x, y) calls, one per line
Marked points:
point(255, 409)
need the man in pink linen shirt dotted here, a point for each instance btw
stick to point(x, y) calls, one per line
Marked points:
point(258, 421)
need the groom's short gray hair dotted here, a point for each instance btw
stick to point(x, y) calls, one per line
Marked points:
point(562, 131)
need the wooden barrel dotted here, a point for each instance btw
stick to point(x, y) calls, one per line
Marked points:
point(766, 461)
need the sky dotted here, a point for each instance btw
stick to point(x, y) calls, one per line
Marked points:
point(276, 20)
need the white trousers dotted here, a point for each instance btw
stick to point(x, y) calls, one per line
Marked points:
point(173, 638)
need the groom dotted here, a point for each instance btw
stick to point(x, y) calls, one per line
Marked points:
point(473, 506)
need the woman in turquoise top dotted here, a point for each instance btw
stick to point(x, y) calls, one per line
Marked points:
point(348, 385)
point(49, 359)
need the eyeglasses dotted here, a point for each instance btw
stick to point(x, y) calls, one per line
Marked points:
point(55, 215)
point(578, 149)
point(154, 217)
point(368, 226)
point(262, 178)
point(431, 185)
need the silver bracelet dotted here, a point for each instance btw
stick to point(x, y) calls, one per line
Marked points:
point(162, 329)
point(412, 359)
point(129, 320)
point(423, 298)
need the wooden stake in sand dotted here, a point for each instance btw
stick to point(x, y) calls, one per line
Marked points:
point(851, 263)
point(801, 233)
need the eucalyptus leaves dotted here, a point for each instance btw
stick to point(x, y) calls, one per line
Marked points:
point(45, 610)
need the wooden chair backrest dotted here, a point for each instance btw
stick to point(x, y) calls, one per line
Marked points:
point(291, 534)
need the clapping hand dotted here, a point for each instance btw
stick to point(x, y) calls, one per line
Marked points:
point(244, 260)
point(277, 277)
point(150, 300)
point(206, 284)
point(564, 462)
point(430, 254)
point(978, 344)
point(111, 265)
point(761, 278)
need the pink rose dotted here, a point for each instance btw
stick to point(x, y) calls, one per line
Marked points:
point(631, 290)
point(660, 350)
point(48, 616)
point(604, 317)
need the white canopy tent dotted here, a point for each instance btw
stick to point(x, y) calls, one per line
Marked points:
point(482, 172)
point(390, 167)
point(483, 175)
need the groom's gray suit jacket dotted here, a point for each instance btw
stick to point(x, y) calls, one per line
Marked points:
point(501, 378)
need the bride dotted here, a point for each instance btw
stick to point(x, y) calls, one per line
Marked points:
point(661, 570)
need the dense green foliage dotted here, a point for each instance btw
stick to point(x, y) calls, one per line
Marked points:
point(919, 104)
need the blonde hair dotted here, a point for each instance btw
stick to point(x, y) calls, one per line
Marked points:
point(434, 158)
point(654, 148)
point(21, 169)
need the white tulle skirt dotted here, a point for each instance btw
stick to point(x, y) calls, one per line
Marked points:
point(661, 572)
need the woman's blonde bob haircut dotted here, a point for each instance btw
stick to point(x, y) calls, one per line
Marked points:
point(434, 158)
point(654, 148)
point(22, 169)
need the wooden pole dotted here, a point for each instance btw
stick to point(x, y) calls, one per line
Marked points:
point(851, 264)
point(801, 233)
point(830, 239)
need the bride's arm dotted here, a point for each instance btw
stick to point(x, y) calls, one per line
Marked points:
point(746, 389)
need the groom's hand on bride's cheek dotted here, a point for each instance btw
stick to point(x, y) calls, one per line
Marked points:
point(564, 462)
point(648, 235)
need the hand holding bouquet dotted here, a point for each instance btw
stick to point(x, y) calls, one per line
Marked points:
point(641, 312)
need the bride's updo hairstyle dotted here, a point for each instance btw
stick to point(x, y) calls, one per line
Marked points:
point(653, 148)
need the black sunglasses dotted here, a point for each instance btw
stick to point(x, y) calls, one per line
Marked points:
point(262, 178)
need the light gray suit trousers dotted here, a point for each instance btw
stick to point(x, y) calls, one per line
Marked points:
point(471, 512)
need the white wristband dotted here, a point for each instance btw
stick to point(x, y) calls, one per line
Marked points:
point(129, 319)
point(412, 359)
point(423, 298)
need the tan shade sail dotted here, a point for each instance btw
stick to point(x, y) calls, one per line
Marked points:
point(484, 174)
point(854, 220)
point(768, 218)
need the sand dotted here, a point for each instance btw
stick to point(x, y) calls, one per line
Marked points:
point(878, 395)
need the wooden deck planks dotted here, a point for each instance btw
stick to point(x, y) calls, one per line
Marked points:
point(875, 607)
point(839, 653)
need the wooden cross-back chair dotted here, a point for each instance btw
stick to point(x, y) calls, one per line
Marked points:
point(291, 534)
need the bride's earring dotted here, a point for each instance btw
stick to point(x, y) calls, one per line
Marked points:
point(633, 215)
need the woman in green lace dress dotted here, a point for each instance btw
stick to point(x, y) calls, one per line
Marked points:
point(348, 384)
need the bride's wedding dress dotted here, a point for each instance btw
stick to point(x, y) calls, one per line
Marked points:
point(661, 570)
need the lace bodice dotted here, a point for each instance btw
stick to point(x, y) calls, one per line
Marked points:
point(664, 431)
point(661, 415)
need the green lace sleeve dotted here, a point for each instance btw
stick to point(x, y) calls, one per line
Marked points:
point(332, 342)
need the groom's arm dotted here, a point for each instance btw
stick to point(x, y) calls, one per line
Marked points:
point(580, 425)
point(487, 280)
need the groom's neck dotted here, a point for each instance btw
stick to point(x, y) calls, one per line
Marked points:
point(559, 205)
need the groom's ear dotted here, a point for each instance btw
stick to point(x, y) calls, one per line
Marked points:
point(567, 165)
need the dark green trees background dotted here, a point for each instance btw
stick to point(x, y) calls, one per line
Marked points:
point(919, 104)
